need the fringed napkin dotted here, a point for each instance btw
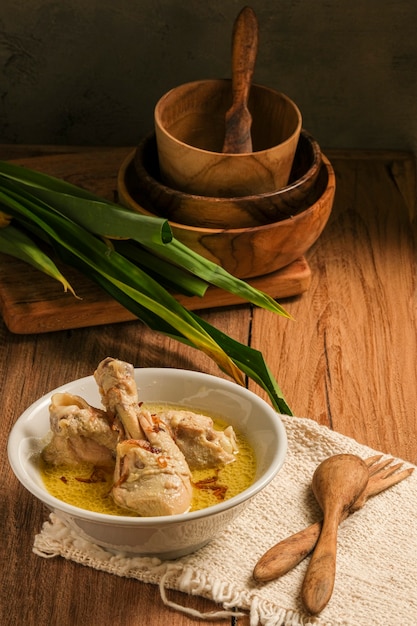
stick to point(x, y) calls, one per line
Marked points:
point(376, 582)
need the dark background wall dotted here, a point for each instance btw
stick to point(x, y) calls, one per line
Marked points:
point(90, 71)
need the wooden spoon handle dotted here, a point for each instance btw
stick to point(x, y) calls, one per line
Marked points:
point(320, 576)
point(289, 552)
point(244, 52)
point(286, 554)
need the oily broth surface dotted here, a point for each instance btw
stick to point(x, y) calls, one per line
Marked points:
point(71, 484)
point(89, 488)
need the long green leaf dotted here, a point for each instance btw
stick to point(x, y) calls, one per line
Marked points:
point(253, 364)
point(32, 178)
point(111, 220)
point(16, 243)
point(94, 253)
point(215, 275)
point(97, 215)
point(150, 302)
point(170, 276)
point(250, 361)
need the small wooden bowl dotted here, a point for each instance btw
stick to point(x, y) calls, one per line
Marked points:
point(237, 212)
point(190, 130)
point(253, 251)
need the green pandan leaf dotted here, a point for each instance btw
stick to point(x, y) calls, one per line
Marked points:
point(110, 220)
point(16, 243)
point(75, 222)
point(98, 215)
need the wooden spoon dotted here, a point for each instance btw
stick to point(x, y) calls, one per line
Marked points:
point(337, 483)
point(289, 552)
point(244, 50)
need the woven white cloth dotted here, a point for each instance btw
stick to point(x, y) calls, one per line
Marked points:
point(376, 582)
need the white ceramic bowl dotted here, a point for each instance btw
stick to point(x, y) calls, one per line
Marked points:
point(166, 537)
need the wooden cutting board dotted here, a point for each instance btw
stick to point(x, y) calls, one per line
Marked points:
point(31, 302)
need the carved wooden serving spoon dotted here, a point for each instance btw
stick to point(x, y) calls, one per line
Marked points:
point(337, 483)
point(244, 50)
point(287, 553)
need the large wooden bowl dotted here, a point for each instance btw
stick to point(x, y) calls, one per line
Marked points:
point(252, 251)
point(237, 212)
point(190, 131)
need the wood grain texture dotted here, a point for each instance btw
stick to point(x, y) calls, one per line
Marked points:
point(190, 146)
point(31, 302)
point(253, 251)
point(302, 191)
point(348, 360)
point(238, 119)
point(337, 483)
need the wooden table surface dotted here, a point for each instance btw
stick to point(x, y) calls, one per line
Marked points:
point(349, 361)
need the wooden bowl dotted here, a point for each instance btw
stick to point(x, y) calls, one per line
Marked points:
point(190, 130)
point(237, 212)
point(252, 251)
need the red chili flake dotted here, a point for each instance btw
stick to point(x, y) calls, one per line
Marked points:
point(220, 492)
point(207, 481)
point(158, 424)
point(211, 484)
point(64, 479)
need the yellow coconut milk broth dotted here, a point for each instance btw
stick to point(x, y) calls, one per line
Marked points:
point(210, 486)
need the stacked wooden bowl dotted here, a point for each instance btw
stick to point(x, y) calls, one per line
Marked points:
point(248, 251)
point(252, 234)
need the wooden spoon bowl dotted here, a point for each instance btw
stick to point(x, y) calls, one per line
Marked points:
point(244, 252)
point(337, 483)
point(303, 189)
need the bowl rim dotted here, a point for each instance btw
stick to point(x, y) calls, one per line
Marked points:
point(40, 405)
point(316, 164)
point(192, 148)
point(123, 190)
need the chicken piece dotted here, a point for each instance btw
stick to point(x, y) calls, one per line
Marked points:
point(119, 394)
point(151, 476)
point(202, 445)
point(80, 433)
